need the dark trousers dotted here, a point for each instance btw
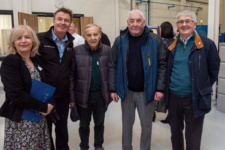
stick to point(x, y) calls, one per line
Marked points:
point(180, 110)
point(61, 128)
point(96, 105)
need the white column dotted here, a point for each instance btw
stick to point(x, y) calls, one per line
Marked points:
point(213, 26)
point(16, 8)
point(133, 4)
point(213, 20)
point(20, 6)
point(27, 6)
point(116, 18)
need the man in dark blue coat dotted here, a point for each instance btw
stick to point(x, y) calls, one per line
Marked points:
point(137, 70)
point(193, 66)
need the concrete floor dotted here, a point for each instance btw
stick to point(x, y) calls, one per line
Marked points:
point(212, 138)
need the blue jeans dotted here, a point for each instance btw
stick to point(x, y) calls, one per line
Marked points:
point(97, 107)
point(145, 111)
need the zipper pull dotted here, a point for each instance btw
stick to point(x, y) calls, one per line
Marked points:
point(149, 62)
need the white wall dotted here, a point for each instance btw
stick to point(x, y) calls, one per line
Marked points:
point(124, 7)
point(6, 4)
point(101, 10)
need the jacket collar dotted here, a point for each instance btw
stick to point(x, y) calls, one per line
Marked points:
point(126, 31)
point(99, 46)
point(198, 42)
point(49, 34)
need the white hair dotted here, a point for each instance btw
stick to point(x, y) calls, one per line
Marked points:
point(136, 11)
point(187, 13)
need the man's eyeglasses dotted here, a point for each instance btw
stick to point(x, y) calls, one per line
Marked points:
point(185, 21)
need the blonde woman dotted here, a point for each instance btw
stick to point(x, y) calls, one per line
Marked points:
point(18, 69)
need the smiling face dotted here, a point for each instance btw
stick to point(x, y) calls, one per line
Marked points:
point(186, 26)
point(92, 35)
point(24, 43)
point(135, 24)
point(61, 23)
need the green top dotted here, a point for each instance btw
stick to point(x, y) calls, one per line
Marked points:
point(95, 74)
point(180, 79)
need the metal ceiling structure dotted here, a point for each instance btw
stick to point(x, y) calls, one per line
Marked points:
point(173, 5)
point(199, 1)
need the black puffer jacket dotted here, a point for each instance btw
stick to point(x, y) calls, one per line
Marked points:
point(80, 76)
point(167, 41)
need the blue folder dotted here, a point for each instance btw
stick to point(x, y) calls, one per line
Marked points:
point(42, 92)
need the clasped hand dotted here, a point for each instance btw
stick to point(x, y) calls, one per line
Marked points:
point(50, 107)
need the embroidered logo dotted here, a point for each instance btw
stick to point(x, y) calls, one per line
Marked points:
point(49, 46)
point(69, 49)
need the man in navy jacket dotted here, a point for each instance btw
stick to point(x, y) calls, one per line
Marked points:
point(193, 66)
point(137, 69)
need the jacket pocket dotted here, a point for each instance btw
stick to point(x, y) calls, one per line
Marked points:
point(205, 98)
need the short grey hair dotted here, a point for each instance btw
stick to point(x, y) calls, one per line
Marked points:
point(136, 11)
point(187, 13)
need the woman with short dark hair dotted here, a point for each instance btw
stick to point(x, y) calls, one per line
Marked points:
point(167, 34)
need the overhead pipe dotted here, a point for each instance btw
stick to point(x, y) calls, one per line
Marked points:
point(166, 3)
point(197, 2)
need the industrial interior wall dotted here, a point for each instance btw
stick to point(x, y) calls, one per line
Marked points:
point(160, 12)
point(222, 13)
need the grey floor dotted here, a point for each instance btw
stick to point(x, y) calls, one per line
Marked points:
point(213, 137)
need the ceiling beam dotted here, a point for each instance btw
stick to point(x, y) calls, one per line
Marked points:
point(195, 1)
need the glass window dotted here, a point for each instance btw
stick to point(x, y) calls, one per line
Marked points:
point(5, 29)
point(44, 23)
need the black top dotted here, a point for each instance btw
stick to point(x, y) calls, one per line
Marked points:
point(135, 69)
